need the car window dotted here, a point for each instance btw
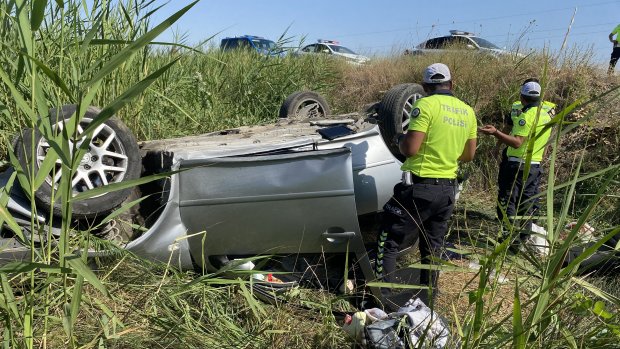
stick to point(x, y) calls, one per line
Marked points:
point(264, 44)
point(484, 43)
point(309, 48)
point(320, 48)
point(437, 43)
point(460, 42)
point(342, 49)
point(229, 44)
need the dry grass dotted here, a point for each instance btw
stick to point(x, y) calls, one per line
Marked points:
point(488, 84)
point(365, 84)
point(456, 288)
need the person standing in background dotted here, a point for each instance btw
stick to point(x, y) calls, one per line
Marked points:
point(515, 110)
point(615, 54)
point(518, 189)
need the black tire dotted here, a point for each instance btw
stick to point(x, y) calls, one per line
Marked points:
point(119, 161)
point(304, 105)
point(394, 111)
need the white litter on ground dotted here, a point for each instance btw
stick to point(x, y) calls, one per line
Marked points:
point(538, 240)
point(586, 231)
point(347, 287)
point(493, 275)
point(412, 326)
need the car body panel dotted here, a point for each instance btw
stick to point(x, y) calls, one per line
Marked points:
point(375, 169)
point(18, 203)
point(269, 204)
point(166, 239)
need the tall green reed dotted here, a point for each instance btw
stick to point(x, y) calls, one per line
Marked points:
point(58, 62)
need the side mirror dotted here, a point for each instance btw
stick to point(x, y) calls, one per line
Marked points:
point(471, 47)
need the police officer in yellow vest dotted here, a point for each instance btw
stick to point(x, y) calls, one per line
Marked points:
point(516, 192)
point(517, 108)
point(442, 131)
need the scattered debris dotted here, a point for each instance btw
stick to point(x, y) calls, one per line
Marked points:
point(413, 326)
point(586, 231)
point(354, 324)
point(493, 275)
point(498, 277)
point(537, 240)
point(347, 287)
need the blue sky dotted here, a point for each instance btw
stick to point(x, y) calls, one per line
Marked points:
point(376, 27)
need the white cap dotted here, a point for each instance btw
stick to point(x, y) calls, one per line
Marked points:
point(436, 73)
point(531, 89)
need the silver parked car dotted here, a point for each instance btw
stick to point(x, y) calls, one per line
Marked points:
point(461, 40)
point(331, 47)
point(295, 187)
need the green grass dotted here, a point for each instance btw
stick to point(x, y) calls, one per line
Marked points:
point(102, 56)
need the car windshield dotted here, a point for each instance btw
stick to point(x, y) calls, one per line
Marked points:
point(484, 43)
point(342, 49)
point(264, 44)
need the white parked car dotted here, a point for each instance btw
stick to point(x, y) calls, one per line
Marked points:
point(334, 48)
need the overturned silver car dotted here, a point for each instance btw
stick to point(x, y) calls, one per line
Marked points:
point(299, 186)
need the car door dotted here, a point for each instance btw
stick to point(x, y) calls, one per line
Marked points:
point(294, 202)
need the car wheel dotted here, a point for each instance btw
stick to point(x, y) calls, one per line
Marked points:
point(112, 157)
point(394, 111)
point(304, 104)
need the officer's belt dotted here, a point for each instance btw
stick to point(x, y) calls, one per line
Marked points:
point(514, 159)
point(409, 178)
